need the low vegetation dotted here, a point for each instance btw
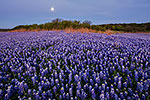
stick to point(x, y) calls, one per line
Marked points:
point(86, 26)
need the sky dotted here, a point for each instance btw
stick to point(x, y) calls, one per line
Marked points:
point(25, 12)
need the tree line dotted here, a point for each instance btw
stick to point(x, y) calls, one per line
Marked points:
point(59, 24)
point(5, 30)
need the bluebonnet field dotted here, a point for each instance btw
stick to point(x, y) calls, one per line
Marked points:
point(56, 65)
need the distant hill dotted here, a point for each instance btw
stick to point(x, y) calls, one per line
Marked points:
point(59, 24)
point(4, 30)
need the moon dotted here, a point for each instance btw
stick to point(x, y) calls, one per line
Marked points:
point(52, 9)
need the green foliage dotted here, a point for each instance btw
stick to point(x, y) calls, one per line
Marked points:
point(60, 24)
